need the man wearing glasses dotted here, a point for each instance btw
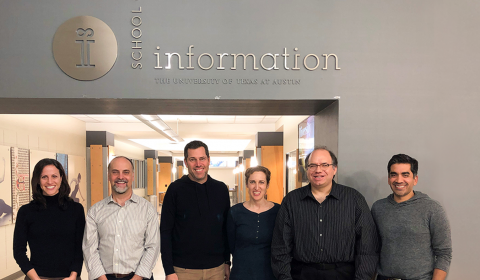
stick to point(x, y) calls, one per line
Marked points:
point(324, 230)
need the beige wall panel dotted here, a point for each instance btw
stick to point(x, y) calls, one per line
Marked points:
point(237, 189)
point(125, 149)
point(3, 253)
point(179, 171)
point(33, 142)
point(96, 174)
point(247, 165)
point(22, 140)
point(12, 266)
point(60, 147)
point(111, 156)
point(272, 158)
point(165, 175)
point(43, 143)
point(9, 138)
point(150, 169)
point(52, 144)
point(298, 176)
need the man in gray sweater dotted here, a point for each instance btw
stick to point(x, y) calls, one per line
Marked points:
point(413, 228)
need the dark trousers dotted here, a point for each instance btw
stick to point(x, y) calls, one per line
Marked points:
point(51, 278)
point(339, 271)
point(380, 277)
point(111, 277)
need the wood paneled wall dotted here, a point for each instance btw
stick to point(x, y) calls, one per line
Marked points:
point(298, 177)
point(164, 176)
point(272, 158)
point(96, 171)
point(247, 165)
point(151, 168)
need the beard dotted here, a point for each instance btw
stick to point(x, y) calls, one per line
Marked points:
point(120, 190)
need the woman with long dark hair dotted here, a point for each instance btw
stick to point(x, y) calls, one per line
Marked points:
point(52, 224)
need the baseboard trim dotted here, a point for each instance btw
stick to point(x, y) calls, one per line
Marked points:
point(14, 276)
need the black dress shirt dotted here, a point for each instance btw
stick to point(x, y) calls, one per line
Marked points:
point(340, 229)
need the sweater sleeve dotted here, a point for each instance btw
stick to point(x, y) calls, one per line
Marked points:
point(90, 246)
point(20, 240)
point(366, 241)
point(79, 229)
point(441, 239)
point(225, 230)
point(231, 233)
point(151, 245)
point(167, 224)
point(282, 243)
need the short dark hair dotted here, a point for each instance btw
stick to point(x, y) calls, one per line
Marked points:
point(332, 155)
point(37, 193)
point(195, 144)
point(131, 162)
point(258, 168)
point(403, 158)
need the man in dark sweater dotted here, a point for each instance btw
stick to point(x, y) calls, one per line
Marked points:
point(193, 222)
point(414, 229)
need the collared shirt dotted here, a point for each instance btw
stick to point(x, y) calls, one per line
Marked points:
point(340, 229)
point(121, 239)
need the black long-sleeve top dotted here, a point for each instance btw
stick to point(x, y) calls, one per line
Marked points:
point(54, 236)
point(250, 240)
point(193, 225)
point(340, 229)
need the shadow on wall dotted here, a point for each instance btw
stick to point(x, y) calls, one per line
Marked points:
point(370, 186)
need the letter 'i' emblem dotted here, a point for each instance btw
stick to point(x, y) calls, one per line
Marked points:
point(85, 46)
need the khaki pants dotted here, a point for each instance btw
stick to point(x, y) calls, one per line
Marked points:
point(216, 273)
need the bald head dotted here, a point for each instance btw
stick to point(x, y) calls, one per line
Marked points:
point(119, 157)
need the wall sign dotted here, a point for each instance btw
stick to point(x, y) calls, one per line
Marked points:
point(85, 48)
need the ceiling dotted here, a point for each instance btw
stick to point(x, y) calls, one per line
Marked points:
point(199, 119)
point(225, 119)
point(223, 134)
point(230, 124)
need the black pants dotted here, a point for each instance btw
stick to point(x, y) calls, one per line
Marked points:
point(51, 278)
point(302, 271)
point(109, 277)
point(380, 277)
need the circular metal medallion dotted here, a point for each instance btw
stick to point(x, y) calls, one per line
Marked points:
point(85, 48)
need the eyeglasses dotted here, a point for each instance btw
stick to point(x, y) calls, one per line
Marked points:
point(323, 166)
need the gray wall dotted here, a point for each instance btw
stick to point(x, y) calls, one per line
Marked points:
point(408, 81)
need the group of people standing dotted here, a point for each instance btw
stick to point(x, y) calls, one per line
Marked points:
point(321, 231)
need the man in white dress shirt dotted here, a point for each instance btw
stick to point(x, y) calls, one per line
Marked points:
point(121, 239)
